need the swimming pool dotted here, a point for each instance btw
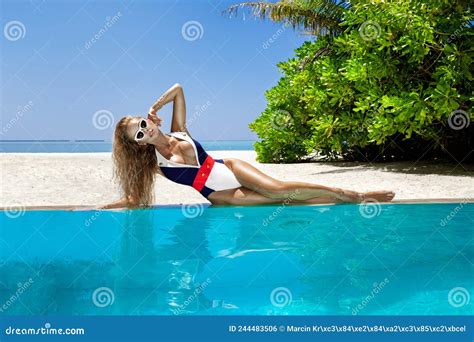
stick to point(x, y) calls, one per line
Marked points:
point(393, 259)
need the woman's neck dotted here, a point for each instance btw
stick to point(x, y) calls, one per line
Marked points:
point(163, 143)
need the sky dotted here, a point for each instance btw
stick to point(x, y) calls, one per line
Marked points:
point(71, 69)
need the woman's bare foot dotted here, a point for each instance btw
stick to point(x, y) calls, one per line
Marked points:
point(379, 196)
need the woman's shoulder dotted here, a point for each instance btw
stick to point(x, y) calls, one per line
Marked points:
point(178, 133)
point(184, 140)
point(184, 132)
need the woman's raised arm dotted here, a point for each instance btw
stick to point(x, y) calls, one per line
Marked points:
point(175, 94)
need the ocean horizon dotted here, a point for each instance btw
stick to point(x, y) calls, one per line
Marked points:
point(94, 145)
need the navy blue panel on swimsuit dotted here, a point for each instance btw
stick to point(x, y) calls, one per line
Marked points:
point(186, 174)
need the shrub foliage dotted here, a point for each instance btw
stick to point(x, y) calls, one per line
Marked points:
point(396, 83)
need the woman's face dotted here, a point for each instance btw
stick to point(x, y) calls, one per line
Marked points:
point(149, 133)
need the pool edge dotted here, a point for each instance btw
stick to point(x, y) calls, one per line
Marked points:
point(156, 206)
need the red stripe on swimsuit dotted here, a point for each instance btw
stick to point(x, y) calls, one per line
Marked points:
point(203, 173)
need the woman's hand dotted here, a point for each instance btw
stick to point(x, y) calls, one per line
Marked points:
point(168, 96)
point(101, 207)
point(126, 202)
point(109, 206)
point(153, 117)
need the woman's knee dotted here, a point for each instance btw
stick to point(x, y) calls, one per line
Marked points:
point(277, 189)
point(226, 197)
point(267, 186)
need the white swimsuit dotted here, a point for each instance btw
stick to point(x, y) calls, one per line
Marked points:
point(208, 176)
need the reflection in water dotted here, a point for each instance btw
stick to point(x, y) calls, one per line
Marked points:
point(305, 260)
point(158, 271)
point(402, 262)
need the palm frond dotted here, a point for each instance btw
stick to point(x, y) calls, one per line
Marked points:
point(317, 17)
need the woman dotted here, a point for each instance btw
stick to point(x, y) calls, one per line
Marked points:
point(141, 150)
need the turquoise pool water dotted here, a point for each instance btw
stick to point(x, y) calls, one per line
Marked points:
point(397, 259)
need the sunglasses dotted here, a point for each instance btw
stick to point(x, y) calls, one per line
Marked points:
point(140, 134)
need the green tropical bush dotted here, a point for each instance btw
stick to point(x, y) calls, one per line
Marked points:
point(396, 83)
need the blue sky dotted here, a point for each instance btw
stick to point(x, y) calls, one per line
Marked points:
point(70, 69)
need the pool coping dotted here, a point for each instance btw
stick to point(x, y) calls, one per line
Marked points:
point(157, 206)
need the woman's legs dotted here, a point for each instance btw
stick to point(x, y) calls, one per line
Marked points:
point(253, 179)
point(244, 196)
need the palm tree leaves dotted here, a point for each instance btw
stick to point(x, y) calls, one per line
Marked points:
point(315, 17)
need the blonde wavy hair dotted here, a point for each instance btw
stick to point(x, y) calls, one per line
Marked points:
point(135, 166)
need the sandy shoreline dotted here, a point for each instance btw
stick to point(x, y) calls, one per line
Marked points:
point(85, 179)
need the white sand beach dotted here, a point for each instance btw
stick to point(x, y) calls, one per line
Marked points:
point(85, 179)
